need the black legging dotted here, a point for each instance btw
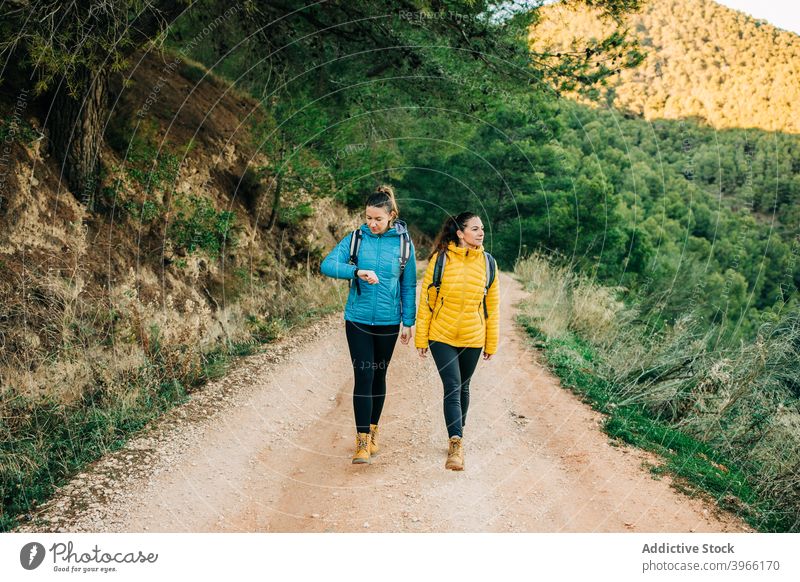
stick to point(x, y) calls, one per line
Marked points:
point(371, 348)
point(456, 366)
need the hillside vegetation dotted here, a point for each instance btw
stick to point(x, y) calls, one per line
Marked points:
point(725, 421)
point(684, 217)
point(170, 182)
point(222, 156)
point(703, 60)
point(112, 312)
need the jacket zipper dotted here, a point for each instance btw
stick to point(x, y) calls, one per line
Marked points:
point(464, 267)
point(375, 294)
point(441, 304)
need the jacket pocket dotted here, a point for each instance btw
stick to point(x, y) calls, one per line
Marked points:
point(352, 298)
point(397, 300)
point(441, 304)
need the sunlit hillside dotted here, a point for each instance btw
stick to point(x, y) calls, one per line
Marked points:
point(704, 60)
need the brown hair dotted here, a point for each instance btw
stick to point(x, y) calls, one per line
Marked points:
point(448, 232)
point(383, 197)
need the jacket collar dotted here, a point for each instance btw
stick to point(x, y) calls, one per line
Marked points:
point(464, 251)
point(396, 230)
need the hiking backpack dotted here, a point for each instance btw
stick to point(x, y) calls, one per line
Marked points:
point(355, 244)
point(438, 271)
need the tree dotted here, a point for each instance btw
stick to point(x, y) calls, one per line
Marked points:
point(75, 46)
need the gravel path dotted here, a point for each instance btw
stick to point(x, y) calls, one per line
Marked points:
point(267, 448)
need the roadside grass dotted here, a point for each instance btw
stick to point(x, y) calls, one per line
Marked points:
point(45, 440)
point(738, 483)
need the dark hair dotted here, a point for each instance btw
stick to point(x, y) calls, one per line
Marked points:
point(383, 197)
point(447, 234)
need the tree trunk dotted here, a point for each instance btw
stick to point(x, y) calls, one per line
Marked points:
point(76, 132)
point(276, 202)
point(276, 197)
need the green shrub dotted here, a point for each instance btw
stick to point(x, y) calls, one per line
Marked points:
point(22, 131)
point(199, 226)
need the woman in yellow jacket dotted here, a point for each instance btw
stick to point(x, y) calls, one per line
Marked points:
point(459, 319)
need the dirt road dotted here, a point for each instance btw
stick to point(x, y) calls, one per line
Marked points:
point(267, 449)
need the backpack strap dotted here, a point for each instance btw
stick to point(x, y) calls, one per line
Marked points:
point(405, 251)
point(355, 244)
point(491, 272)
point(438, 270)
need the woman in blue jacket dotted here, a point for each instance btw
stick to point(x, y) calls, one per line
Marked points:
point(381, 266)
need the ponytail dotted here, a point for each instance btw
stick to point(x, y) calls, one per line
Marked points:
point(449, 231)
point(383, 197)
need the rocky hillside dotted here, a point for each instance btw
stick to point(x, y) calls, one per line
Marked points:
point(114, 306)
point(178, 238)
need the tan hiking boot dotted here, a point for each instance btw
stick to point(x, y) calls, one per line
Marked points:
point(362, 448)
point(373, 439)
point(455, 455)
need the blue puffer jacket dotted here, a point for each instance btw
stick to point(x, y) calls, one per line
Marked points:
point(391, 300)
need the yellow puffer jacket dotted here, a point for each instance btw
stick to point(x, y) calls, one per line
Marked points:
point(456, 317)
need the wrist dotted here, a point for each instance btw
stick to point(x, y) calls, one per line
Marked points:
point(355, 273)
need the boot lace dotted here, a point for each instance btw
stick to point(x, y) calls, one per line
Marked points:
point(455, 447)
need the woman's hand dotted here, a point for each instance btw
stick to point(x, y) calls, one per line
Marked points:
point(405, 335)
point(487, 357)
point(423, 352)
point(368, 276)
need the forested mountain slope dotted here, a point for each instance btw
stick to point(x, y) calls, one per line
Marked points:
point(704, 60)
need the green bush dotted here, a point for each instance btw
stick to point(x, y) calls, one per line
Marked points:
point(199, 226)
point(21, 130)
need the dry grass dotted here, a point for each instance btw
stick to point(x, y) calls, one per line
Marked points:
point(106, 317)
point(562, 302)
point(82, 371)
point(743, 401)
